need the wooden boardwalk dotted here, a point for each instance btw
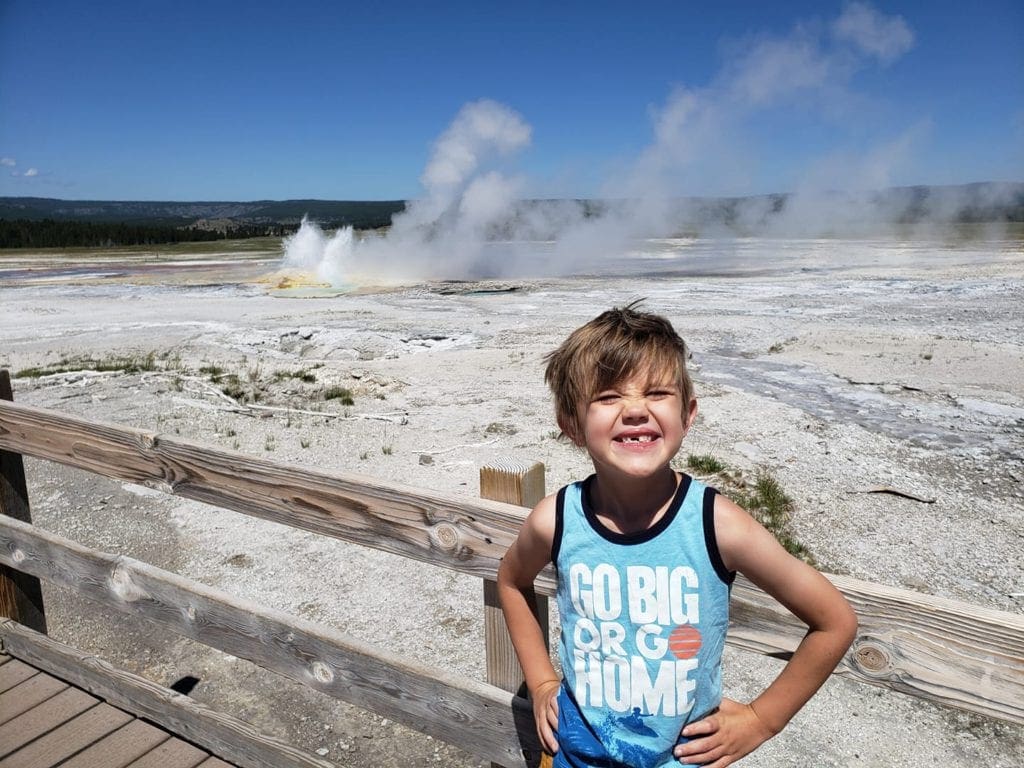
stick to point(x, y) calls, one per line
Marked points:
point(46, 722)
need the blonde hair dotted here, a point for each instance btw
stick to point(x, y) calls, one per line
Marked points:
point(614, 346)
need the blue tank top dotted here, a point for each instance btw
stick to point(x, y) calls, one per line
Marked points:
point(644, 617)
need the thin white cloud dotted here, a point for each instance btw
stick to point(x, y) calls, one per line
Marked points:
point(885, 37)
point(32, 172)
point(8, 161)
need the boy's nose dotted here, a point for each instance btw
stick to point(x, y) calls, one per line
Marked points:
point(634, 408)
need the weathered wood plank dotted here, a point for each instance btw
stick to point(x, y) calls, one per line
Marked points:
point(14, 674)
point(67, 704)
point(941, 650)
point(220, 733)
point(119, 748)
point(478, 717)
point(72, 736)
point(21, 698)
point(21, 597)
point(173, 753)
point(468, 535)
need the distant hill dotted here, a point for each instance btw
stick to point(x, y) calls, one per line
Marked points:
point(984, 201)
point(332, 213)
point(46, 222)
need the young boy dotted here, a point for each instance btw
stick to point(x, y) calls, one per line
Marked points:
point(645, 559)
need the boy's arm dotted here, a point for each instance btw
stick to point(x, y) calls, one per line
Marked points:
point(738, 729)
point(530, 552)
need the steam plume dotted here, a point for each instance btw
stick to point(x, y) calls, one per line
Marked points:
point(472, 220)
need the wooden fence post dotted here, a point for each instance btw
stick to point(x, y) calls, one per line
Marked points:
point(522, 484)
point(21, 597)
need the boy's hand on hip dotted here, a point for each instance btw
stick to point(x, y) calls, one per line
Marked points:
point(545, 713)
point(723, 738)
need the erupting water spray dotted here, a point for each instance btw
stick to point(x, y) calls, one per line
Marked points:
point(472, 221)
point(442, 234)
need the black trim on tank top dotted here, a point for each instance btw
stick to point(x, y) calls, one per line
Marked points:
point(640, 536)
point(556, 540)
point(711, 540)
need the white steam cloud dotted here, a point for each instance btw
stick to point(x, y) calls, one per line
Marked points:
point(886, 38)
point(472, 220)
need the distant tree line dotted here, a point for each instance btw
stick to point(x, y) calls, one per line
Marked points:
point(51, 233)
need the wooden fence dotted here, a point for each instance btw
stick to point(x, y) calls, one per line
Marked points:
point(941, 650)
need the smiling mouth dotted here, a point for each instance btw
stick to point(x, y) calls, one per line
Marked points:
point(637, 439)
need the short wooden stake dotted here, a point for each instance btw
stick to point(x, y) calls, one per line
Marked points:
point(521, 484)
point(21, 597)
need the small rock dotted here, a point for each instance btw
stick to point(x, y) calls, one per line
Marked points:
point(426, 458)
point(916, 583)
point(322, 751)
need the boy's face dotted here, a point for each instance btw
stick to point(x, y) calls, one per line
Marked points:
point(635, 427)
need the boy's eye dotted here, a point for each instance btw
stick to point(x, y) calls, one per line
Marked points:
point(658, 394)
point(607, 397)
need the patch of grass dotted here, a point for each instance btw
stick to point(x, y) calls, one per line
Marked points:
point(705, 463)
point(364, 455)
point(269, 444)
point(304, 442)
point(213, 371)
point(387, 450)
point(137, 363)
point(303, 376)
point(232, 387)
point(771, 507)
point(339, 393)
point(763, 498)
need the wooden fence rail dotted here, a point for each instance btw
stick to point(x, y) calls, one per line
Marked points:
point(937, 649)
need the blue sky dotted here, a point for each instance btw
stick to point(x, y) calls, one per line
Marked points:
point(211, 100)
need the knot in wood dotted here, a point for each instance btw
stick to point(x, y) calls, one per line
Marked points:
point(18, 556)
point(122, 586)
point(872, 658)
point(446, 536)
point(322, 673)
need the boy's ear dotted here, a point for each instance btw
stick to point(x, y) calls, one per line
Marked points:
point(568, 429)
point(689, 415)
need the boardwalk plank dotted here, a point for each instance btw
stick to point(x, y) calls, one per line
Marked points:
point(52, 713)
point(214, 762)
point(120, 748)
point(71, 737)
point(21, 698)
point(173, 753)
point(14, 674)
